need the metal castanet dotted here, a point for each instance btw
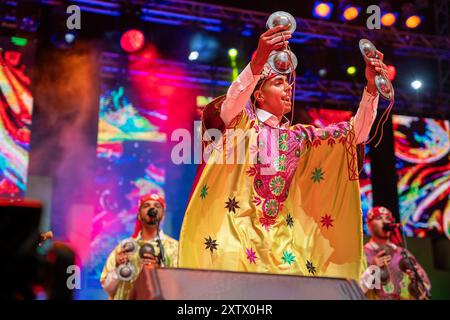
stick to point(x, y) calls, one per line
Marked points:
point(146, 248)
point(127, 271)
point(282, 61)
point(384, 86)
point(283, 18)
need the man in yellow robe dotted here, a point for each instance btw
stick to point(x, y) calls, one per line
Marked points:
point(146, 232)
point(296, 208)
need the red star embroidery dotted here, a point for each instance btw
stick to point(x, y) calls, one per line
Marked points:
point(266, 223)
point(326, 221)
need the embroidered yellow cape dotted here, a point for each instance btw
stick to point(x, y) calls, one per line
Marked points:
point(304, 219)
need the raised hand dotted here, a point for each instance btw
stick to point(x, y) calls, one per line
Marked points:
point(273, 39)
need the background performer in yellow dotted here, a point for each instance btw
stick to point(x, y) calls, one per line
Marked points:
point(151, 213)
point(293, 211)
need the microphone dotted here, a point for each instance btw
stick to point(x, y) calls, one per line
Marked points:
point(152, 213)
point(391, 226)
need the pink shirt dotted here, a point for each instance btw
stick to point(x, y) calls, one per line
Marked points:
point(242, 88)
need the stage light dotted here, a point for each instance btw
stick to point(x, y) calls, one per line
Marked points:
point(21, 42)
point(232, 53)
point(247, 33)
point(322, 72)
point(350, 13)
point(388, 19)
point(206, 44)
point(132, 40)
point(391, 72)
point(69, 37)
point(193, 55)
point(248, 30)
point(410, 13)
point(416, 84)
point(59, 40)
point(413, 21)
point(322, 9)
point(351, 70)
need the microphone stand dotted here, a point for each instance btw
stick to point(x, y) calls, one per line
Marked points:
point(405, 255)
point(162, 257)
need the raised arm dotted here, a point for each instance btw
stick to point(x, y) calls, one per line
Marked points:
point(367, 111)
point(365, 116)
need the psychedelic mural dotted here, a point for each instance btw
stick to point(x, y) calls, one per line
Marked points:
point(422, 152)
point(16, 105)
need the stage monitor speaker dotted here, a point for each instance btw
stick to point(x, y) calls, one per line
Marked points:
point(19, 237)
point(19, 226)
point(191, 284)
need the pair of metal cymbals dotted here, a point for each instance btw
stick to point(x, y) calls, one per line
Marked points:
point(127, 271)
point(282, 61)
point(384, 86)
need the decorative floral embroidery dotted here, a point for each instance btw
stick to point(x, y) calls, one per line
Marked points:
point(336, 134)
point(304, 136)
point(277, 185)
point(280, 163)
point(273, 187)
point(270, 208)
point(325, 134)
point(345, 130)
point(283, 141)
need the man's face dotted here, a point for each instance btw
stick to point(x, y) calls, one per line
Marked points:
point(376, 226)
point(144, 215)
point(275, 96)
